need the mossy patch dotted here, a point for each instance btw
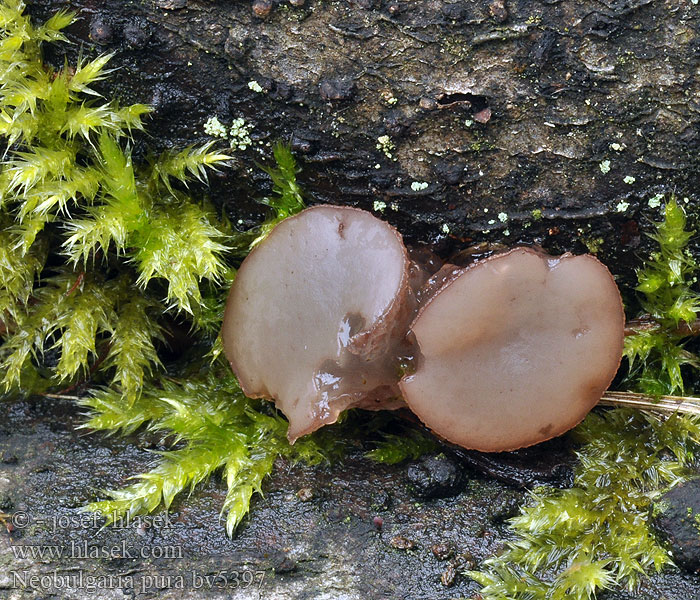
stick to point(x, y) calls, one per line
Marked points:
point(98, 252)
point(574, 543)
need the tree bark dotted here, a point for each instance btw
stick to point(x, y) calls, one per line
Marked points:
point(355, 530)
point(582, 110)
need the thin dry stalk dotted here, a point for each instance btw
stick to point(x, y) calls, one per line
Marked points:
point(664, 404)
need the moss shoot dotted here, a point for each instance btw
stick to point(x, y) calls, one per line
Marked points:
point(576, 542)
point(96, 248)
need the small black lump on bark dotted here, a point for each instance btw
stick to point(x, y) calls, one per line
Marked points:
point(435, 476)
point(101, 30)
point(137, 33)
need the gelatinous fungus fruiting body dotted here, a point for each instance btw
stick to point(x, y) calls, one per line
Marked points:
point(317, 315)
point(330, 312)
point(516, 349)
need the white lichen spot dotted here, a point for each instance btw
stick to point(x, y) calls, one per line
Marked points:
point(445, 228)
point(385, 144)
point(622, 206)
point(240, 134)
point(617, 147)
point(492, 221)
point(377, 166)
point(255, 86)
point(214, 128)
point(379, 206)
point(394, 206)
point(506, 232)
point(502, 217)
point(587, 101)
point(655, 201)
point(604, 167)
point(468, 123)
point(389, 98)
point(629, 180)
point(418, 186)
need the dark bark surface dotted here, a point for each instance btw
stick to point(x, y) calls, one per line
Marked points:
point(314, 535)
point(502, 108)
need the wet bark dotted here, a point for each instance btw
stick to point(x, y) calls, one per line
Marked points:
point(578, 112)
point(354, 530)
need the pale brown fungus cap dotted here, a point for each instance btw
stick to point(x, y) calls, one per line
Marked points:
point(313, 314)
point(516, 349)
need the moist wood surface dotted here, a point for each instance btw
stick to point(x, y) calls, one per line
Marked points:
point(313, 535)
point(563, 87)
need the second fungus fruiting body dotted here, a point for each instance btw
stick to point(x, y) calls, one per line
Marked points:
point(315, 314)
point(515, 349)
point(504, 353)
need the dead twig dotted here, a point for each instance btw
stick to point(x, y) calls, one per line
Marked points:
point(647, 323)
point(664, 404)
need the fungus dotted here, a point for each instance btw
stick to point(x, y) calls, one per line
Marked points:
point(504, 353)
point(515, 349)
point(318, 313)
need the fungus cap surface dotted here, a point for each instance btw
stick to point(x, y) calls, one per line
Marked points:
point(516, 349)
point(313, 312)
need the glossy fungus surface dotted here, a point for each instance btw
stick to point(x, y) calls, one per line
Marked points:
point(316, 314)
point(515, 349)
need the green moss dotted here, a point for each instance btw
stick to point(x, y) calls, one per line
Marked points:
point(83, 226)
point(287, 198)
point(96, 248)
point(219, 430)
point(593, 244)
point(573, 543)
point(395, 448)
point(223, 431)
point(656, 356)
point(659, 508)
